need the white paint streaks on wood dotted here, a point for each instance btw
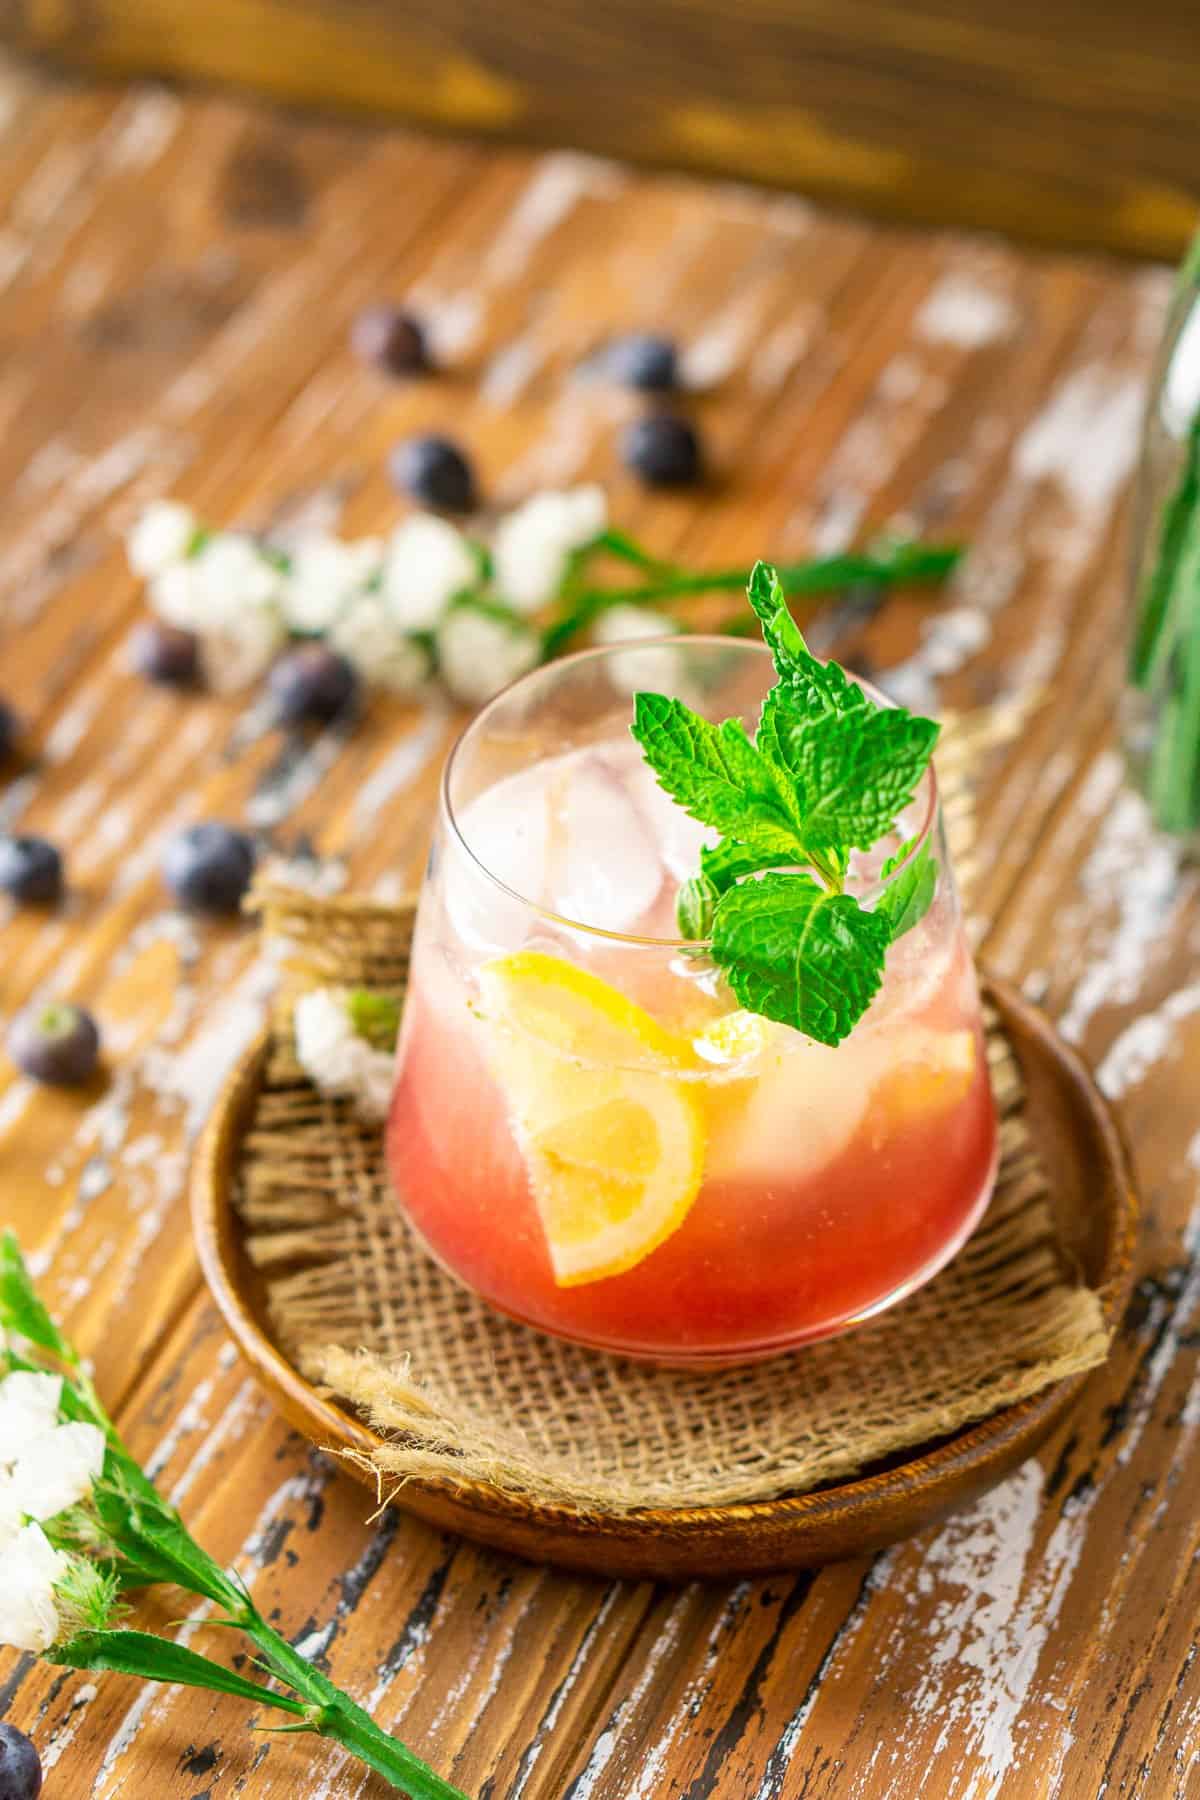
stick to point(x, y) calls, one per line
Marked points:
point(608, 1742)
point(963, 311)
point(1086, 439)
point(401, 766)
point(1129, 888)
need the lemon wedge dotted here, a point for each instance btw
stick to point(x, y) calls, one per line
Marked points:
point(733, 1038)
point(612, 1133)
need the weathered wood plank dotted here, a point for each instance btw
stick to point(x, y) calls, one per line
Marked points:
point(185, 330)
point(1053, 122)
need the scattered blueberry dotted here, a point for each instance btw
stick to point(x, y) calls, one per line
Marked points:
point(166, 653)
point(643, 360)
point(8, 728)
point(58, 1044)
point(663, 449)
point(31, 870)
point(20, 1767)
point(434, 471)
point(208, 867)
point(391, 339)
point(313, 683)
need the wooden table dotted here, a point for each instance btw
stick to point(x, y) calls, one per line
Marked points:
point(178, 277)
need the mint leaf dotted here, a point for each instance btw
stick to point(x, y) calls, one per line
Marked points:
point(715, 773)
point(859, 772)
point(780, 631)
point(799, 955)
point(811, 688)
point(695, 907)
point(829, 773)
point(906, 899)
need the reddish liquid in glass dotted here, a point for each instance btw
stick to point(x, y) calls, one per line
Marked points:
point(757, 1264)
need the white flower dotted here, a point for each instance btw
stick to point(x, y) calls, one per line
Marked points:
point(657, 670)
point(28, 1410)
point(239, 652)
point(213, 589)
point(57, 1470)
point(159, 537)
point(532, 545)
point(384, 654)
point(229, 595)
point(336, 1058)
point(325, 576)
point(29, 1568)
point(427, 563)
point(478, 654)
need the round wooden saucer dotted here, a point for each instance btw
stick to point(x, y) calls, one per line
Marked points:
point(1089, 1176)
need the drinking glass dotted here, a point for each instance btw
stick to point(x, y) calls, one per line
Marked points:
point(587, 1130)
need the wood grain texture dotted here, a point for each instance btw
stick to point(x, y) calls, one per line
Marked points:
point(1059, 122)
point(170, 323)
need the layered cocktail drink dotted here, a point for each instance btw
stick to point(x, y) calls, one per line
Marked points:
point(590, 1128)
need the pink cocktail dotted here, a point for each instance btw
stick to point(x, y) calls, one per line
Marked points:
point(588, 1130)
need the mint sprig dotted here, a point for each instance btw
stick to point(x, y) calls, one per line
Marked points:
point(828, 772)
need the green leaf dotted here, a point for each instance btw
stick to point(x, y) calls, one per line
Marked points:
point(799, 955)
point(158, 1659)
point(812, 688)
point(374, 1016)
point(908, 896)
point(859, 772)
point(695, 905)
point(715, 773)
point(780, 631)
point(21, 1310)
point(728, 861)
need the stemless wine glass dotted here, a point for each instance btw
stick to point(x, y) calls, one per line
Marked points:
point(587, 1130)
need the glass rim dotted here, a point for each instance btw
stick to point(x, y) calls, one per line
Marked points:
point(597, 652)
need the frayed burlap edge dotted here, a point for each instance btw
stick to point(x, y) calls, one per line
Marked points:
point(460, 1394)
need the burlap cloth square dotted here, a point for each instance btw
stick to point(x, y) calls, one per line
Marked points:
point(461, 1393)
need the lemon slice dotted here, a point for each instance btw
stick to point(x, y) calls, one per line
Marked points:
point(735, 1037)
point(612, 1134)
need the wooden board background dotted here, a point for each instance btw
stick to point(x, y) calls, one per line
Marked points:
point(1049, 119)
point(176, 278)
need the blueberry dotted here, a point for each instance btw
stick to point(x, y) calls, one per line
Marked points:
point(663, 449)
point(643, 360)
point(312, 682)
point(208, 867)
point(58, 1044)
point(8, 728)
point(434, 471)
point(391, 339)
point(166, 654)
point(20, 1767)
point(30, 870)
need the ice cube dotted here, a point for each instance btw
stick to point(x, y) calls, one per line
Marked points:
point(604, 869)
point(802, 1106)
point(678, 836)
point(506, 830)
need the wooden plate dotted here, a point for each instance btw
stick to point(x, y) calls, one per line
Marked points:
point(1090, 1179)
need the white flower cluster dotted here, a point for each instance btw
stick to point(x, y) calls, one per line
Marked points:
point(376, 601)
point(45, 1466)
point(659, 668)
point(336, 1058)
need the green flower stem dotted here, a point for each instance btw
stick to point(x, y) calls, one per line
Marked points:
point(891, 563)
point(1174, 775)
point(334, 1715)
point(1164, 594)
